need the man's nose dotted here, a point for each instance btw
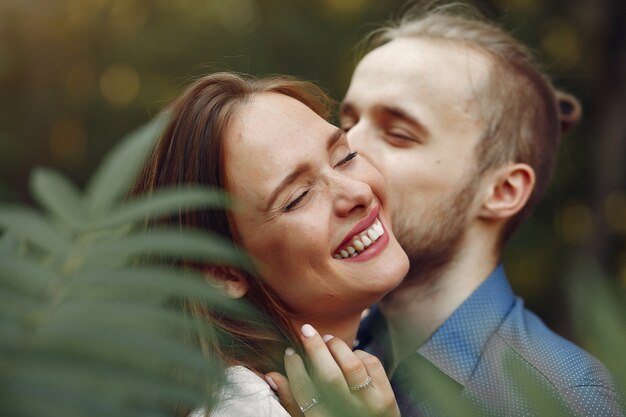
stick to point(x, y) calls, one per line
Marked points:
point(361, 140)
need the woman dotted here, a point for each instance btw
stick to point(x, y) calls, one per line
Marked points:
point(310, 212)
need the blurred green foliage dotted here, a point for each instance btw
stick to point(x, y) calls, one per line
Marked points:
point(86, 327)
point(75, 75)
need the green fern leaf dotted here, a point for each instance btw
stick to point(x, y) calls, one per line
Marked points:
point(29, 225)
point(153, 284)
point(115, 175)
point(164, 202)
point(167, 243)
point(56, 194)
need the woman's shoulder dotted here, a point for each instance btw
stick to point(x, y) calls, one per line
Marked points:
point(245, 394)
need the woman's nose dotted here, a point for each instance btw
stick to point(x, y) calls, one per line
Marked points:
point(351, 195)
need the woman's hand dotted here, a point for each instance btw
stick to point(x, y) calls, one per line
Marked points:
point(342, 383)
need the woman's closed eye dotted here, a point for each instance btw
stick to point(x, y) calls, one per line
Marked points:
point(296, 201)
point(345, 160)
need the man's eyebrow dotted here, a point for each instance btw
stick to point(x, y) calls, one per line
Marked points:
point(399, 113)
point(301, 169)
point(348, 109)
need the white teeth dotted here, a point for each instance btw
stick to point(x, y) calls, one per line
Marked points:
point(372, 234)
point(360, 242)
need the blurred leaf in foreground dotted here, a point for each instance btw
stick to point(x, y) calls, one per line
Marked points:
point(86, 329)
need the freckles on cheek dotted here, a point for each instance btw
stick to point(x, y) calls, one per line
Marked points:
point(292, 249)
point(272, 249)
point(305, 254)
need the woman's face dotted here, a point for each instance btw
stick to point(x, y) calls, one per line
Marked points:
point(306, 200)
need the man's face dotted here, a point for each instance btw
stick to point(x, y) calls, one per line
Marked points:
point(413, 110)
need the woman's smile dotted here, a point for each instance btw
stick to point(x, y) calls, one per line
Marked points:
point(367, 239)
point(376, 245)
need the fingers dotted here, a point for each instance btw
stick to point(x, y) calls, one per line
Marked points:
point(325, 368)
point(302, 386)
point(385, 403)
point(351, 365)
point(336, 368)
point(375, 370)
point(280, 385)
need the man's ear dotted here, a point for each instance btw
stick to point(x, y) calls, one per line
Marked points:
point(232, 280)
point(509, 189)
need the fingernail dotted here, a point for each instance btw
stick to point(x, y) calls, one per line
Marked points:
point(308, 330)
point(271, 382)
point(327, 337)
point(289, 351)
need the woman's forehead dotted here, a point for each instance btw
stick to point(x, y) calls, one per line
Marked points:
point(269, 121)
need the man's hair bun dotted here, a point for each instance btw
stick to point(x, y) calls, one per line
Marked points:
point(570, 111)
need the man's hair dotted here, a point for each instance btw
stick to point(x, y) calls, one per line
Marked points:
point(525, 115)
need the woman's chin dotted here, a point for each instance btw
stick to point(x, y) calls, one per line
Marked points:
point(395, 268)
point(386, 281)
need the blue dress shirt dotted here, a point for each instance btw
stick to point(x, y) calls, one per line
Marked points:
point(487, 349)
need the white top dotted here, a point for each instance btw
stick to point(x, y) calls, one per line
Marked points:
point(245, 394)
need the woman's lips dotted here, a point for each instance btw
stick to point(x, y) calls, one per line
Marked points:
point(371, 251)
point(359, 228)
point(361, 242)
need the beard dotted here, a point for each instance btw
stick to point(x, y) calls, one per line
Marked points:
point(432, 241)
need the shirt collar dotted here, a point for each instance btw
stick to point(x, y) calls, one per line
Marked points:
point(455, 347)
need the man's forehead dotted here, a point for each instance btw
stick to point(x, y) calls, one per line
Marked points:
point(424, 62)
point(435, 74)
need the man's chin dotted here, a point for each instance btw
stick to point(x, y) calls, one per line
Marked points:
point(430, 257)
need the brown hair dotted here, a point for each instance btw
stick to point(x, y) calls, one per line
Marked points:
point(190, 151)
point(526, 116)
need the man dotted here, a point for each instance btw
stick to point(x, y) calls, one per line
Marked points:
point(465, 129)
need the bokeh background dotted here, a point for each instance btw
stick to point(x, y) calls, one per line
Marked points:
point(76, 75)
